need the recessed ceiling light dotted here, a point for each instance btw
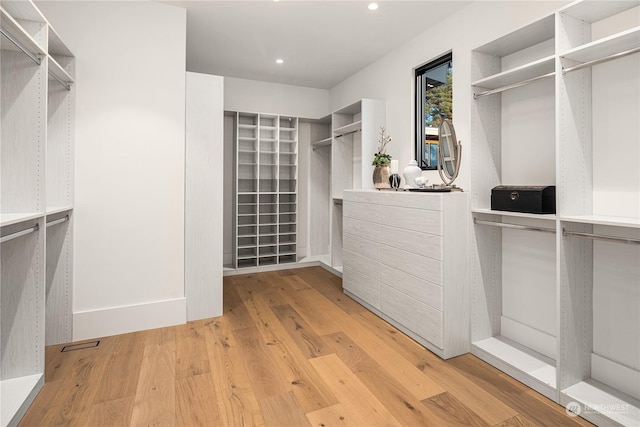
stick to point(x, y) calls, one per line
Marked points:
point(279, 61)
point(373, 6)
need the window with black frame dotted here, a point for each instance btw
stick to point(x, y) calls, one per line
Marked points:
point(434, 83)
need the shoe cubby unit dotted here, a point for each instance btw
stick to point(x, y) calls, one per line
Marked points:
point(36, 175)
point(266, 188)
point(555, 297)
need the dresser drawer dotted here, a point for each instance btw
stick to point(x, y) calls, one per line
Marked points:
point(429, 245)
point(362, 211)
point(412, 200)
point(364, 229)
point(364, 287)
point(417, 288)
point(413, 315)
point(362, 196)
point(416, 265)
point(425, 221)
point(360, 263)
point(360, 246)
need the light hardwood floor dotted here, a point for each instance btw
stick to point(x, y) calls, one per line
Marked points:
point(290, 350)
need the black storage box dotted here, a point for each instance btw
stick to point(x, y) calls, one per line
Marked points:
point(537, 199)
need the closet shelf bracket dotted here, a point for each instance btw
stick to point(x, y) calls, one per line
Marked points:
point(513, 226)
point(601, 237)
point(19, 233)
point(24, 50)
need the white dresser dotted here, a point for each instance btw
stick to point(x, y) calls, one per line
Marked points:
point(405, 258)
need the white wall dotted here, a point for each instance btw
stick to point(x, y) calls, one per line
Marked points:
point(129, 162)
point(391, 78)
point(263, 97)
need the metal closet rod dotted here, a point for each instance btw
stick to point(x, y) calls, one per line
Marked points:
point(58, 221)
point(24, 50)
point(602, 237)
point(512, 86)
point(20, 233)
point(64, 84)
point(601, 60)
point(513, 226)
point(348, 133)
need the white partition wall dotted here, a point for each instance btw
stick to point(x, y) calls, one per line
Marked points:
point(128, 218)
point(204, 195)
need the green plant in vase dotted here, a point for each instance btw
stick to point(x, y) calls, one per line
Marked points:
point(382, 162)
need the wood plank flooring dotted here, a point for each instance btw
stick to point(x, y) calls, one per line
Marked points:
point(290, 350)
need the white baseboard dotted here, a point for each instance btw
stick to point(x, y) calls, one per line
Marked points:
point(616, 375)
point(120, 320)
point(530, 337)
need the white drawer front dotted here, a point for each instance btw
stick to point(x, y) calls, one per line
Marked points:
point(362, 286)
point(416, 265)
point(421, 290)
point(362, 211)
point(360, 263)
point(413, 200)
point(415, 316)
point(362, 196)
point(360, 246)
point(429, 245)
point(364, 229)
point(425, 221)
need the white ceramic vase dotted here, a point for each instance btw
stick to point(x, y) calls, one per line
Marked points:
point(411, 172)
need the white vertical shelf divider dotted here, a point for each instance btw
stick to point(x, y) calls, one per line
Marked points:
point(590, 352)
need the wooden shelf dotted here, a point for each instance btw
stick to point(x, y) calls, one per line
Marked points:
point(618, 407)
point(52, 210)
point(528, 71)
point(593, 11)
point(516, 360)
point(603, 220)
point(17, 218)
point(15, 30)
point(550, 217)
point(322, 143)
point(530, 35)
point(17, 394)
point(351, 127)
point(607, 46)
point(56, 70)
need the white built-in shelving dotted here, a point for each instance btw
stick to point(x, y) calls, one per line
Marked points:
point(555, 297)
point(266, 189)
point(36, 202)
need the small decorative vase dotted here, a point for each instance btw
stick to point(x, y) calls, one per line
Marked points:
point(411, 172)
point(381, 176)
point(394, 181)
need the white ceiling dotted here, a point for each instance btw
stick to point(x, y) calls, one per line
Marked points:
point(322, 42)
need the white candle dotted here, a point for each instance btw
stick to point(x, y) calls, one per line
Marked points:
point(394, 166)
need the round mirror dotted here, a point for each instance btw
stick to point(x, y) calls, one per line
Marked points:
point(449, 153)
